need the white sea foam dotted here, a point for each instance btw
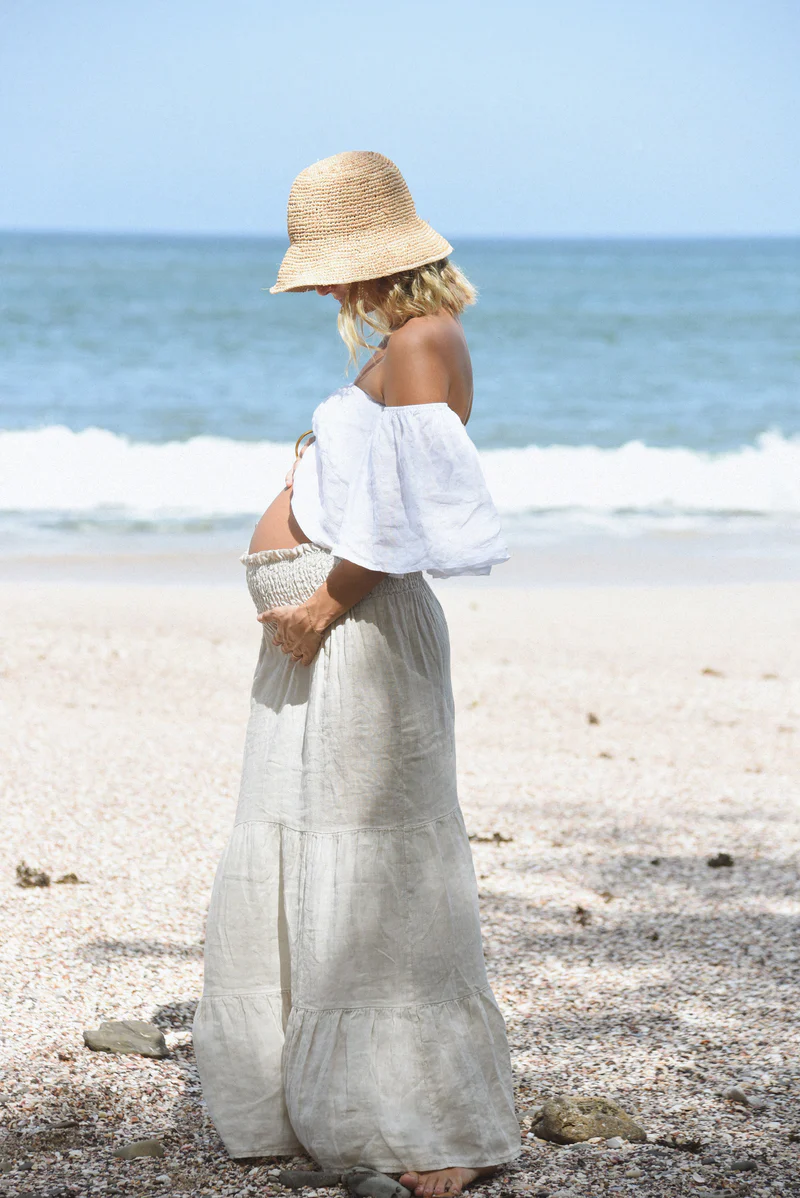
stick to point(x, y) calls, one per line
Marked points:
point(95, 472)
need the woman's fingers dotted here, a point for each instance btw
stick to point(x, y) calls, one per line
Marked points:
point(292, 635)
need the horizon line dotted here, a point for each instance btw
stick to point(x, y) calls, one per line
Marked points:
point(281, 236)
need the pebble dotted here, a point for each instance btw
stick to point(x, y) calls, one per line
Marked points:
point(139, 1148)
point(734, 1094)
point(127, 1036)
point(634, 1171)
point(744, 1166)
point(615, 1142)
point(573, 1118)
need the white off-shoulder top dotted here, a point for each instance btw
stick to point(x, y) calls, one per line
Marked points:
point(396, 489)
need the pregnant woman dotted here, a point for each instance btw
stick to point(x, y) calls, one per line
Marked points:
point(346, 1010)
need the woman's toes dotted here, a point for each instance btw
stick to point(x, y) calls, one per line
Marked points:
point(447, 1184)
point(410, 1180)
point(438, 1184)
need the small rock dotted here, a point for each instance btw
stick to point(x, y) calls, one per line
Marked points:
point(710, 672)
point(634, 1171)
point(5, 1165)
point(582, 916)
point(591, 718)
point(127, 1035)
point(571, 1119)
point(615, 1142)
point(495, 838)
point(139, 1148)
point(734, 1094)
point(367, 1183)
point(744, 1166)
point(163, 1178)
point(27, 876)
point(70, 880)
point(721, 861)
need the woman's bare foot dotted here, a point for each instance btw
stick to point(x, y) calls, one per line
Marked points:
point(442, 1181)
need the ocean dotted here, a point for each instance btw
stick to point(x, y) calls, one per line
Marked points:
point(628, 392)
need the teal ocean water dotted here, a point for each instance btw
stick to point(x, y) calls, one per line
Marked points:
point(150, 387)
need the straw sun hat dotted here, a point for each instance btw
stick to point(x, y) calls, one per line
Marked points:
point(351, 217)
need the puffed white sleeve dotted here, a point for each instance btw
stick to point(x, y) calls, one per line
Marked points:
point(419, 500)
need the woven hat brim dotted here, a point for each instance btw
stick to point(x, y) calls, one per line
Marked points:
point(359, 257)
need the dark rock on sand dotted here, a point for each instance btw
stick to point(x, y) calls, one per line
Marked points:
point(721, 861)
point(495, 838)
point(139, 1148)
point(366, 1183)
point(70, 880)
point(571, 1119)
point(27, 876)
point(127, 1035)
point(745, 1166)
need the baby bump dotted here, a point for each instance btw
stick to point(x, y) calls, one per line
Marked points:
point(278, 528)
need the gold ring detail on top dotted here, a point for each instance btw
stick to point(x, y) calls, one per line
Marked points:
point(299, 439)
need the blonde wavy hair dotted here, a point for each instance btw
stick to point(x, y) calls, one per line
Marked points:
point(384, 305)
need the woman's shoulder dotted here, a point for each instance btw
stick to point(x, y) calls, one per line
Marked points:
point(438, 331)
point(427, 361)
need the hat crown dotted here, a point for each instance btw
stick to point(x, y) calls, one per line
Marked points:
point(354, 192)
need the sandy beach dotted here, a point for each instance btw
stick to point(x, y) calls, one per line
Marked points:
point(615, 738)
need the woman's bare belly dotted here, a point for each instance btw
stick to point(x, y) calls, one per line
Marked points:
point(277, 528)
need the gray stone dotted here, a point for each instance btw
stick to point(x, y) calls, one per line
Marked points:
point(127, 1035)
point(615, 1142)
point(139, 1148)
point(745, 1166)
point(5, 1165)
point(572, 1119)
point(737, 1095)
point(367, 1183)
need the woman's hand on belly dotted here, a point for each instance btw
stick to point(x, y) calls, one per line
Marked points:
point(294, 631)
point(300, 629)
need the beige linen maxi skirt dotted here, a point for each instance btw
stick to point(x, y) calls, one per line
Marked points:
point(346, 1009)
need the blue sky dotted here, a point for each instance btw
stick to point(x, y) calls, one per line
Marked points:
point(573, 117)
